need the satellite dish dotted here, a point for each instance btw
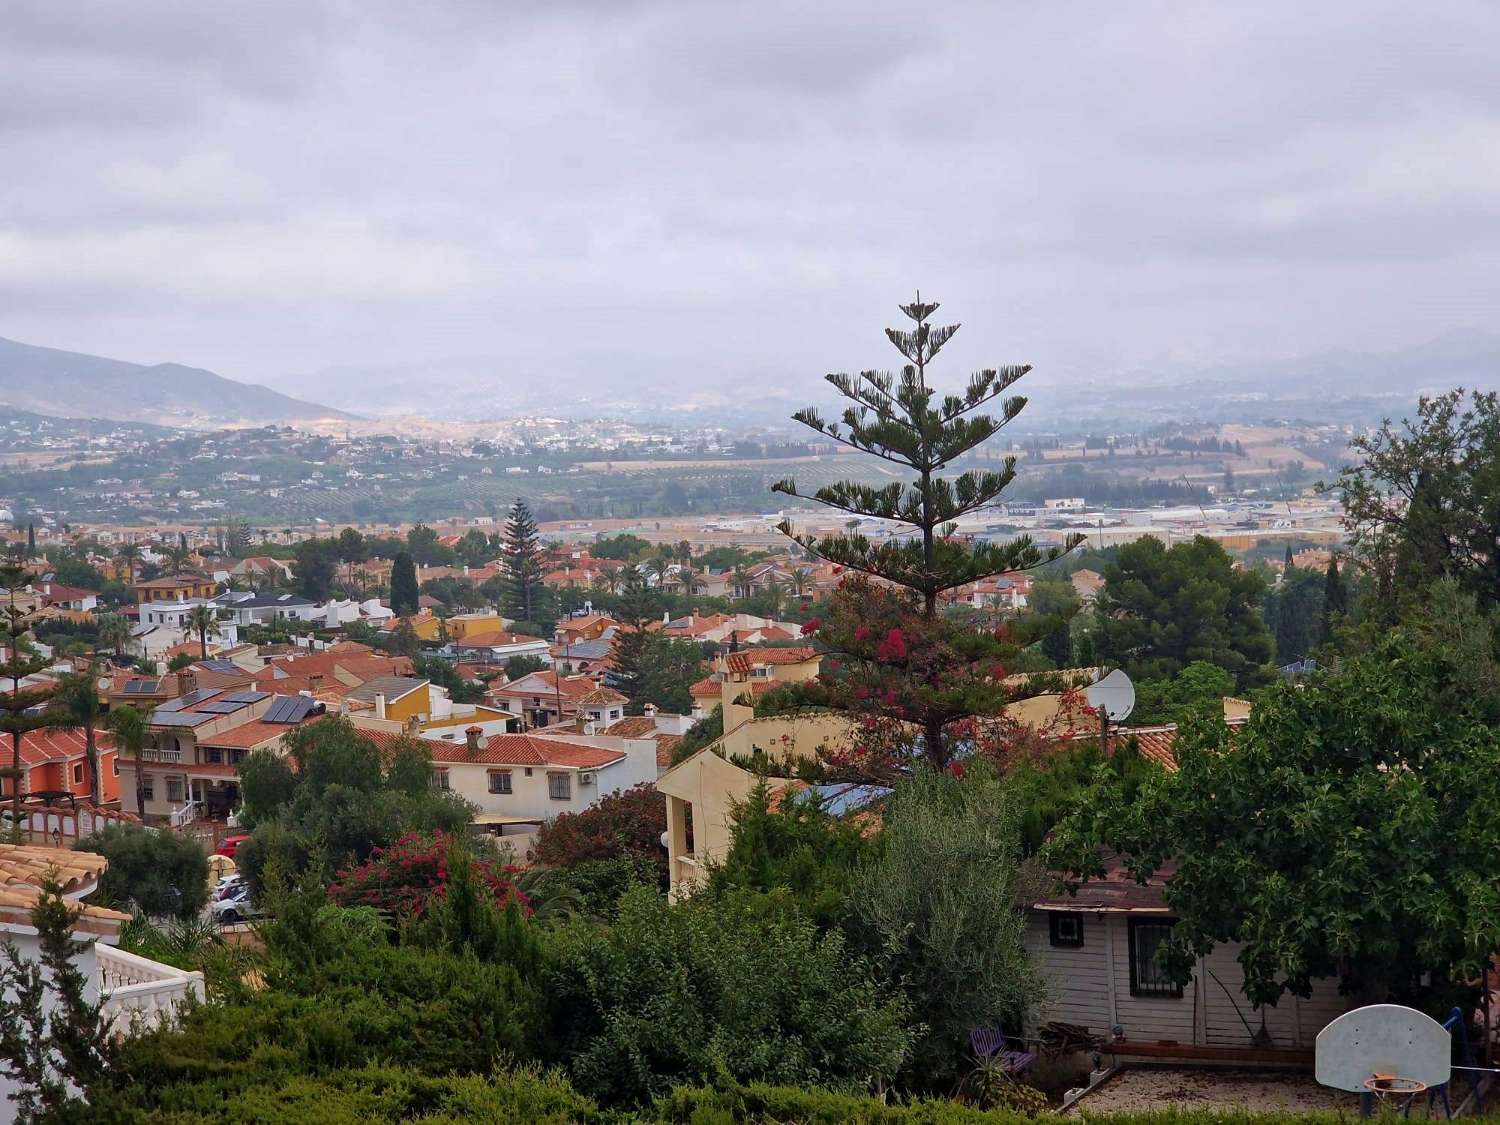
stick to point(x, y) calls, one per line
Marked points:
point(1115, 693)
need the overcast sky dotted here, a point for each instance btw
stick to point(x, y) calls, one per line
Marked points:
point(662, 194)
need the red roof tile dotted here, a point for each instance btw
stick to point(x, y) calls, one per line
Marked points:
point(525, 750)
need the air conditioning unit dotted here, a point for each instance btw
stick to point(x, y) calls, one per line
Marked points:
point(586, 777)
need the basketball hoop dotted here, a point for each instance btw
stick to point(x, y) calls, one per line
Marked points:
point(1394, 1088)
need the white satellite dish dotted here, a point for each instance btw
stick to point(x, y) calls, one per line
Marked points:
point(1115, 693)
point(1386, 1040)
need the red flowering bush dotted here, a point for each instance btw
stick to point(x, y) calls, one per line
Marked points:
point(403, 877)
point(627, 824)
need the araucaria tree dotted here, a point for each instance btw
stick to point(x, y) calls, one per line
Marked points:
point(901, 419)
point(522, 559)
point(21, 708)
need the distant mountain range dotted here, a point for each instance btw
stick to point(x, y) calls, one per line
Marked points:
point(73, 385)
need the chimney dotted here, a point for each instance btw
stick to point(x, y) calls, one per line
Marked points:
point(414, 727)
point(666, 617)
point(186, 682)
point(315, 681)
point(471, 736)
point(649, 710)
point(380, 704)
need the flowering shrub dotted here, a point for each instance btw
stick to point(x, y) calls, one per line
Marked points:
point(403, 877)
point(627, 824)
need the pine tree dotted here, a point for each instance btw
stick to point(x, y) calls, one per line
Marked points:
point(1287, 563)
point(21, 708)
point(633, 643)
point(404, 595)
point(901, 419)
point(31, 540)
point(521, 557)
point(1335, 602)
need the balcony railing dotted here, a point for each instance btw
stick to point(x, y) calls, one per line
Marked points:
point(152, 754)
point(139, 994)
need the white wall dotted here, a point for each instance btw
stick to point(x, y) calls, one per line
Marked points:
point(26, 941)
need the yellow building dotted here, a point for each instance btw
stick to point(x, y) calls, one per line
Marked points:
point(396, 698)
point(174, 588)
point(424, 625)
point(462, 625)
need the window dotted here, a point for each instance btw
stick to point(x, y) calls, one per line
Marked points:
point(148, 786)
point(114, 767)
point(440, 780)
point(560, 786)
point(78, 774)
point(213, 755)
point(1066, 930)
point(1147, 977)
point(499, 781)
point(174, 788)
point(528, 771)
point(237, 756)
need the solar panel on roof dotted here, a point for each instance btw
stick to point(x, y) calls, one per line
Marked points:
point(170, 705)
point(247, 696)
point(222, 707)
point(225, 667)
point(198, 696)
point(142, 687)
point(179, 718)
point(290, 709)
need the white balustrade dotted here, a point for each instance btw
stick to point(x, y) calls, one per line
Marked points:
point(140, 994)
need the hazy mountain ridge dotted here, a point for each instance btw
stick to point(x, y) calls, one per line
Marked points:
point(66, 384)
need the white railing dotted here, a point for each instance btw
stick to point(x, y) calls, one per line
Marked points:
point(184, 814)
point(152, 754)
point(140, 994)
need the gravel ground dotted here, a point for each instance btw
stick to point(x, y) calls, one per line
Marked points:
point(1143, 1089)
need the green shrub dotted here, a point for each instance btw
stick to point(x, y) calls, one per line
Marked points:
point(742, 985)
point(160, 872)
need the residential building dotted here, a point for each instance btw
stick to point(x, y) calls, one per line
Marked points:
point(191, 770)
point(1097, 948)
point(520, 780)
point(67, 597)
point(174, 588)
point(544, 698)
point(399, 699)
point(1087, 584)
point(498, 647)
point(262, 609)
point(54, 763)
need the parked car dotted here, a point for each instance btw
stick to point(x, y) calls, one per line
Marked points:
point(235, 907)
point(231, 845)
point(227, 887)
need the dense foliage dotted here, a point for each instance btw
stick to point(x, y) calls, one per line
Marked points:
point(1162, 608)
point(1346, 831)
point(157, 872)
point(625, 825)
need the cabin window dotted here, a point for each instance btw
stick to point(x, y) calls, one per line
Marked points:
point(560, 786)
point(499, 781)
point(1147, 977)
point(1066, 930)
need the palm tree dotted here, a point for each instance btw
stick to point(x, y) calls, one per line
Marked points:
point(177, 557)
point(741, 581)
point(202, 619)
point(76, 706)
point(130, 555)
point(114, 631)
point(798, 582)
point(132, 731)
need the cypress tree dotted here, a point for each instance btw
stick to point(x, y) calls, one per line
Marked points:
point(900, 418)
point(31, 540)
point(1287, 564)
point(20, 708)
point(404, 594)
point(521, 557)
point(1335, 601)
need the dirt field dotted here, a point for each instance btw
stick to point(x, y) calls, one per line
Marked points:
point(1144, 1089)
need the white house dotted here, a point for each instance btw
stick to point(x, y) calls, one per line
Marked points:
point(1097, 951)
point(518, 780)
point(136, 991)
point(260, 609)
point(498, 646)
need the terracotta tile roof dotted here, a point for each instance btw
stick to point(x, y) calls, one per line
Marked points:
point(602, 696)
point(23, 866)
point(1155, 743)
point(495, 639)
point(16, 906)
point(247, 735)
point(743, 661)
point(56, 744)
point(525, 750)
point(707, 689)
point(633, 726)
point(665, 744)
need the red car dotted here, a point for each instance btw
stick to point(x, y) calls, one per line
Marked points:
point(231, 845)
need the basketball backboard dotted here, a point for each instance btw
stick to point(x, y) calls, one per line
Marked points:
point(1383, 1039)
